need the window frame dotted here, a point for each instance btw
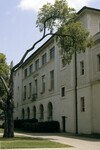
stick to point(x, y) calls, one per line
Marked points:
point(82, 67)
point(52, 53)
point(82, 103)
point(44, 59)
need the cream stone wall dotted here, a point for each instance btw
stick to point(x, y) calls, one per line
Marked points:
point(88, 84)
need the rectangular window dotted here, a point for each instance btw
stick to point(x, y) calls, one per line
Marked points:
point(24, 92)
point(98, 62)
point(82, 68)
point(36, 87)
point(99, 27)
point(30, 69)
point(43, 83)
point(62, 91)
point(82, 104)
point(44, 59)
point(25, 73)
point(52, 53)
point(52, 80)
point(30, 90)
point(37, 64)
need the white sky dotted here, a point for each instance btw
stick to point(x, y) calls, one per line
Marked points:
point(36, 4)
point(18, 30)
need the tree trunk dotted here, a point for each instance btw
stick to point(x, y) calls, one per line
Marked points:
point(9, 125)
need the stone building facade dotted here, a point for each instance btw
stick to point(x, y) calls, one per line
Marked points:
point(46, 89)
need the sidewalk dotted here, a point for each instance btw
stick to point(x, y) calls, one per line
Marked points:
point(78, 143)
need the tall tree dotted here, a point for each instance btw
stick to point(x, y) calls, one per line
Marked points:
point(57, 20)
point(4, 72)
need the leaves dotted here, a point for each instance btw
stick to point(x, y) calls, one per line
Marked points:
point(71, 35)
point(55, 15)
point(4, 72)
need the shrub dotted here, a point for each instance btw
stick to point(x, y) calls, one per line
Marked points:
point(48, 126)
point(19, 123)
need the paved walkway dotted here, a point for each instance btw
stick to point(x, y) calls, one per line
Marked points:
point(78, 143)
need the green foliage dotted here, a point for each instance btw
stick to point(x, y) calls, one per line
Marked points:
point(71, 35)
point(47, 126)
point(55, 15)
point(77, 40)
point(4, 72)
point(19, 123)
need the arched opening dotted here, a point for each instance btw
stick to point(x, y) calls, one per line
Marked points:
point(23, 113)
point(34, 112)
point(50, 111)
point(41, 112)
point(28, 113)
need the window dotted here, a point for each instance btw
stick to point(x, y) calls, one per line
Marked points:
point(25, 73)
point(99, 27)
point(52, 53)
point(50, 111)
point(34, 112)
point(36, 87)
point(82, 68)
point(24, 92)
point(82, 104)
point(28, 113)
point(30, 90)
point(44, 59)
point(41, 112)
point(98, 62)
point(23, 113)
point(37, 64)
point(31, 69)
point(52, 80)
point(43, 83)
point(62, 91)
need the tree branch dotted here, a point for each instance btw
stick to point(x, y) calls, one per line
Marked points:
point(44, 35)
point(5, 85)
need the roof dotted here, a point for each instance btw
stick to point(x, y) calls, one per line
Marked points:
point(88, 8)
point(48, 41)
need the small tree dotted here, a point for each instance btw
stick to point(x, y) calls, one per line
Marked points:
point(57, 20)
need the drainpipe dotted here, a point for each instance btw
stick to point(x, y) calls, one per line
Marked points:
point(76, 108)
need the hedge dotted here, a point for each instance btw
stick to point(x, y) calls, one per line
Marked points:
point(19, 123)
point(48, 126)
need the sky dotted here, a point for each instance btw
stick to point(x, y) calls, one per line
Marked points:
point(18, 30)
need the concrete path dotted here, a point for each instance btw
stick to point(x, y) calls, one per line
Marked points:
point(78, 143)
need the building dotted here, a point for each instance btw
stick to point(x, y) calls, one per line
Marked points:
point(47, 90)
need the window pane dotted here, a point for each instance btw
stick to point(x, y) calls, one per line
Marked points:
point(25, 73)
point(52, 53)
point(37, 64)
point(31, 69)
point(43, 83)
point(52, 79)
point(82, 104)
point(24, 92)
point(98, 62)
point(82, 68)
point(44, 59)
point(63, 91)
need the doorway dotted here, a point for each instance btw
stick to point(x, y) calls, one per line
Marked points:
point(63, 124)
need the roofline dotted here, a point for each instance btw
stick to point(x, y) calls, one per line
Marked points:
point(88, 8)
point(39, 49)
point(36, 52)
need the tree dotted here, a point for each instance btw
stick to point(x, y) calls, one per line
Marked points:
point(4, 72)
point(57, 20)
point(70, 33)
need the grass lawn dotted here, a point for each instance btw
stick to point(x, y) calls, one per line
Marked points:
point(1, 130)
point(28, 142)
